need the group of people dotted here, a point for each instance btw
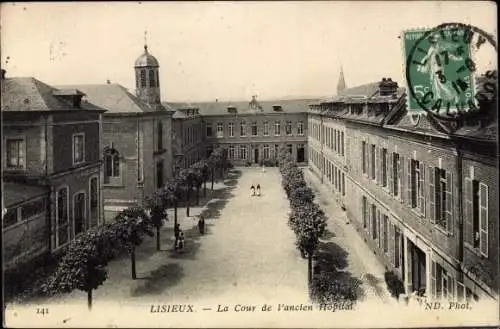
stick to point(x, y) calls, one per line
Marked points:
point(253, 190)
point(179, 234)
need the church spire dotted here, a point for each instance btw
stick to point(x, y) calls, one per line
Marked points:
point(341, 84)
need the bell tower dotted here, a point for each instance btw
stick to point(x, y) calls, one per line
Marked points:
point(147, 80)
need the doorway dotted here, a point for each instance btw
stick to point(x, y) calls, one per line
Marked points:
point(300, 153)
point(256, 155)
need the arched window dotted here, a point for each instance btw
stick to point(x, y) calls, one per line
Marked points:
point(111, 164)
point(152, 78)
point(143, 78)
point(137, 79)
point(157, 80)
point(160, 136)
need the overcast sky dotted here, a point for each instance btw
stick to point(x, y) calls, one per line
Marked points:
point(223, 50)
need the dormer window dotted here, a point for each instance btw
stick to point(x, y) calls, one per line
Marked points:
point(277, 108)
point(231, 109)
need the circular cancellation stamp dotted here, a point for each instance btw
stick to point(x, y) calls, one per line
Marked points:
point(443, 66)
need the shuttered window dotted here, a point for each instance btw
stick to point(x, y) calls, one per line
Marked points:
point(364, 211)
point(432, 194)
point(483, 219)
point(390, 173)
point(449, 202)
point(373, 159)
point(469, 232)
point(433, 279)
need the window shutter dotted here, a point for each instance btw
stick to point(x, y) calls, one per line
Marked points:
point(400, 165)
point(460, 292)
point(408, 266)
point(368, 160)
point(451, 288)
point(433, 280)
point(449, 202)
point(422, 189)
point(469, 227)
point(390, 174)
point(483, 218)
point(408, 181)
point(432, 194)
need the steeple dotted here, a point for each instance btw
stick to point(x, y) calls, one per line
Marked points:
point(341, 84)
point(147, 80)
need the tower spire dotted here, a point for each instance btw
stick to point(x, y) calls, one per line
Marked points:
point(146, 41)
point(341, 84)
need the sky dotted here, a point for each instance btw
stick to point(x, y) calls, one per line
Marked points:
point(223, 50)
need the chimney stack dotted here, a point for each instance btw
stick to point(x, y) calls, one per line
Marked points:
point(3, 74)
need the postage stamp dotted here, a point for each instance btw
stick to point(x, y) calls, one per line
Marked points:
point(441, 68)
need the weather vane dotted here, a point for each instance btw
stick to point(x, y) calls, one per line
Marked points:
point(145, 39)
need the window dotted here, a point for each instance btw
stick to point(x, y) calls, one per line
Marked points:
point(152, 79)
point(374, 222)
point(230, 125)
point(385, 230)
point(220, 130)
point(442, 284)
point(266, 151)
point(62, 218)
point(335, 140)
point(342, 143)
point(16, 153)
point(78, 148)
point(364, 161)
point(160, 136)
point(476, 208)
point(288, 128)
point(277, 128)
point(398, 247)
point(254, 128)
point(209, 129)
point(343, 184)
point(384, 167)
point(243, 129)
point(440, 201)
point(111, 165)
point(159, 174)
point(79, 212)
point(266, 128)
point(243, 152)
point(416, 183)
point(231, 152)
point(32, 209)
point(94, 201)
point(289, 148)
point(300, 128)
point(396, 175)
point(364, 211)
point(143, 78)
point(373, 159)
point(276, 150)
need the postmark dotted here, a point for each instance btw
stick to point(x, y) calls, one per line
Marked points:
point(442, 66)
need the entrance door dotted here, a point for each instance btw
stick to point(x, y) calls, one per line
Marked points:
point(256, 155)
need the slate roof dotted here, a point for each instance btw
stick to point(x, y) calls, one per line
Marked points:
point(14, 193)
point(30, 94)
point(113, 97)
point(243, 107)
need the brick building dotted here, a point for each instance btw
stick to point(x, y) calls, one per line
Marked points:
point(137, 143)
point(400, 179)
point(51, 168)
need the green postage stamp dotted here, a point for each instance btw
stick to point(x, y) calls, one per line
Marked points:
point(439, 70)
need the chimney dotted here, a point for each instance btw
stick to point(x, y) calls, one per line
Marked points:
point(3, 74)
point(254, 98)
point(108, 82)
point(387, 87)
point(216, 100)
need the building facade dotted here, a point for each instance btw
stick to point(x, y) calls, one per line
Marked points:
point(52, 168)
point(401, 180)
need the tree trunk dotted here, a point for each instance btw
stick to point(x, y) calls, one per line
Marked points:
point(213, 173)
point(89, 299)
point(132, 259)
point(205, 188)
point(309, 267)
point(175, 213)
point(197, 195)
point(188, 196)
point(158, 238)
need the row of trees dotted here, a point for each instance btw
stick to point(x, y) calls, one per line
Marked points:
point(83, 264)
point(306, 219)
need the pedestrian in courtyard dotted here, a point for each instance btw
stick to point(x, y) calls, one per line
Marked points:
point(201, 225)
point(177, 230)
point(180, 243)
point(252, 190)
point(258, 189)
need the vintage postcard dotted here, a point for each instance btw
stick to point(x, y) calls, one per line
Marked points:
point(319, 164)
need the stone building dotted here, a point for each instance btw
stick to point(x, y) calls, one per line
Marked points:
point(401, 180)
point(137, 141)
point(252, 132)
point(52, 172)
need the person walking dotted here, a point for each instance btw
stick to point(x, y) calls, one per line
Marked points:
point(258, 189)
point(201, 225)
point(252, 190)
point(177, 230)
point(180, 243)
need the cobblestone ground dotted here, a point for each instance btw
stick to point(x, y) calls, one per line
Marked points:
point(247, 251)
